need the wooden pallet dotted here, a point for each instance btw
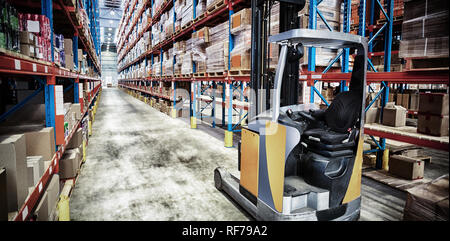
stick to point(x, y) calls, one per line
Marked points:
point(199, 18)
point(215, 74)
point(177, 75)
point(215, 6)
point(187, 25)
point(392, 180)
point(427, 63)
point(186, 75)
point(200, 74)
point(239, 72)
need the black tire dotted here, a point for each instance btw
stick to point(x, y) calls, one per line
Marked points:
point(217, 179)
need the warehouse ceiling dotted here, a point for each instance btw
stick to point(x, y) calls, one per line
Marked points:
point(110, 14)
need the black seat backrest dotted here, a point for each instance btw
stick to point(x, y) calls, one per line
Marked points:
point(344, 111)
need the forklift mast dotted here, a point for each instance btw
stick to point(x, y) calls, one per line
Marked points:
point(261, 76)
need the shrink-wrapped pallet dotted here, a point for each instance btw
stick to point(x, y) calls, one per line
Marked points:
point(241, 30)
point(168, 63)
point(201, 8)
point(187, 13)
point(198, 44)
point(218, 36)
point(179, 49)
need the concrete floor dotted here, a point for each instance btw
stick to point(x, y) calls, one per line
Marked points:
point(143, 165)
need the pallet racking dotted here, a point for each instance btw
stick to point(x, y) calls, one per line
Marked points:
point(199, 84)
point(63, 16)
point(374, 30)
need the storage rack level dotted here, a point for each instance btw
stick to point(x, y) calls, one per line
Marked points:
point(230, 84)
point(374, 31)
point(48, 74)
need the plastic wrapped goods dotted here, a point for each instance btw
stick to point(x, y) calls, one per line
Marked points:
point(218, 36)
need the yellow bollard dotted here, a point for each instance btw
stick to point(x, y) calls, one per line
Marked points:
point(64, 209)
point(386, 160)
point(174, 113)
point(84, 151)
point(228, 139)
point(193, 123)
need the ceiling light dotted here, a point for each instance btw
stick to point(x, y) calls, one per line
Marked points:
point(110, 29)
point(112, 13)
point(111, 22)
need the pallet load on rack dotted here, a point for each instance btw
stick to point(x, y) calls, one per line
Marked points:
point(198, 43)
point(240, 59)
point(274, 29)
point(167, 20)
point(200, 9)
point(331, 11)
point(168, 63)
point(186, 13)
point(9, 27)
point(398, 10)
point(156, 66)
point(217, 49)
point(179, 50)
point(433, 114)
point(28, 34)
point(424, 42)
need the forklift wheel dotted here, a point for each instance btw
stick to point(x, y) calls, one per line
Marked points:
point(218, 179)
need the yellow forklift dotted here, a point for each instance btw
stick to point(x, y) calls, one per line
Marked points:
point(297, 161)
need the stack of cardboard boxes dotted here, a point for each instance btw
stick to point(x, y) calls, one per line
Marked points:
point(433, 114)
point(241, 23)
point(25, 153)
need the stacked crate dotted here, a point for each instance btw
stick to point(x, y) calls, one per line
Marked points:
point(186, 13)
point(199, 40)
point(179, 49)
point(424, 42)
point(240, 58)
point(168, 63)
point(215, 52)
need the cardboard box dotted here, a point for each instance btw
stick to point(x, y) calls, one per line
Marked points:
point(3, 196)
point(241, 18)
point(53, 192)
point(13, 159)
point(372, 115)
point(39, 141)
point(35, 169)
point(406, 167)
point(394, 115)
point(76, 108)
point(432, 124)
point(27, 49)
point(68, 47)
point(77, 139)
point(435, 104)
point(41, 211)
point(428, 202)
point(69, 62)
point(68, 165)
point(405, 100)
point(26, 38)
point(414, 101)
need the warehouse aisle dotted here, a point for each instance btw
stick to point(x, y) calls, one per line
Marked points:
point(143, 165)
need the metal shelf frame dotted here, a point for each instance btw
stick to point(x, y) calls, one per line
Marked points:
point(46, 74)
point(384, 78)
